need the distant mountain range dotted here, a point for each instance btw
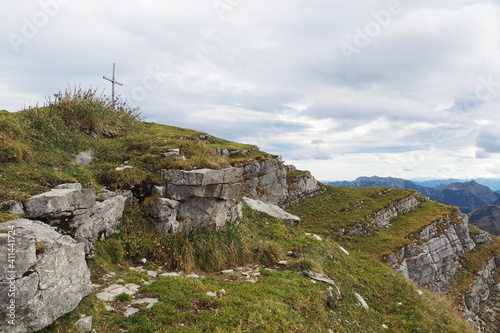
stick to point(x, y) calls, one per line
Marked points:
point(492, 183)
point(467, 195)
point(487, 218)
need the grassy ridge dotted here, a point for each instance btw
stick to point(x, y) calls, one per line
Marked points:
point(341, 207)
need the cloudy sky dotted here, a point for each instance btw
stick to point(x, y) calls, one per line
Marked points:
point(343, 88)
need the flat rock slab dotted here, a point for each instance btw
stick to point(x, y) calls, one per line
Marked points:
point(149, 301)
point(113, 290)
point(203, 177)
point(63, 200)
point(271, 210)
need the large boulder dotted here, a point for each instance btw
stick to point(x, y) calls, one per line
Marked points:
point(59, 205)
point(76, 212)
point(198, 199)
point(47, 275)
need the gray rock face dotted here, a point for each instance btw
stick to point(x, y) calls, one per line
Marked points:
point(271, 210)
point(74, 211)
point(221, 190)
point(99, 222)
point(84, 158)
point(163, 214)
point(432, 257)
point(212, 213)
point(489, 322)
point(267, 181)
point(59, 204)
point(51, 275)
point(198, 199)
point(203, 177)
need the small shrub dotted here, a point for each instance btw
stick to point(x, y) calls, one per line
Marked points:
point(123, 297)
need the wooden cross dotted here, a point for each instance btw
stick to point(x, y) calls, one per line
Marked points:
point(113, 82)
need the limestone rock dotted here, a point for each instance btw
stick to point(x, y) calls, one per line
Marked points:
point(432, 258)
point(222, 191)
point(84, 324)
point(74, 211)
point(13, 207)
point(203, 177)
point(84, 158)
point(60, 203)
point(163, 214)
point(400, 207)
point(271, 210)
point(100, 221)
point(52, 275)
point(213, 213)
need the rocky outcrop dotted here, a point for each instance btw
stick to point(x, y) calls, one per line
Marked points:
point(47, 275)
point(383, 217)
point(58, 206)
point(489, 310)
point(401, 207)
point(206, 198)
point(75, 211)
point(271, 210)
point(163, 215)
point(433, 255)
point(274, 182)
point(198, 199)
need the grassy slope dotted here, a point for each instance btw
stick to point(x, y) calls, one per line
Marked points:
point(282, 301)
point(37, 148)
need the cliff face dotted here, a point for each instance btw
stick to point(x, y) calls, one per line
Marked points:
point(433, 255)
point(434, 259)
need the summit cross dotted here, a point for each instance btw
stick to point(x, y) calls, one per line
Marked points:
point(113, 82)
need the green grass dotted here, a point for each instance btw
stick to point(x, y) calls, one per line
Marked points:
point(123, 297)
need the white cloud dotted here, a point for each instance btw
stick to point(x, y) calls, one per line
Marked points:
point(272, 73)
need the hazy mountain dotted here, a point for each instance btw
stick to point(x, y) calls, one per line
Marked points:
point(467, 196)
point(384, 181)
point(492, 183)
point(487, 218)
